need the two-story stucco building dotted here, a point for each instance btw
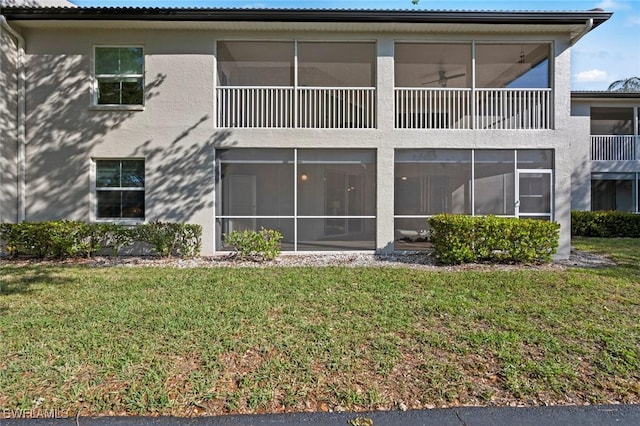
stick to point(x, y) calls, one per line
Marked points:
point(607, 169)
point(344, 129)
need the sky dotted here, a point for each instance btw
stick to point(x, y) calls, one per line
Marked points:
point(608, 53)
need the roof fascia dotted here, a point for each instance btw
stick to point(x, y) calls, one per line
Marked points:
point(307, 15)
point(604, 95)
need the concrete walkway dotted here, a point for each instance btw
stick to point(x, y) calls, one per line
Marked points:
point(622, 415)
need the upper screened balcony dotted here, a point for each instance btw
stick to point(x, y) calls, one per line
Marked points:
point(615, 133)
point(332, 84)
point(438, 86)
point(296, 84)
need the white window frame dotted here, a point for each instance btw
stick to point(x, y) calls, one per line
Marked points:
point(96, 77)
point(94, 192)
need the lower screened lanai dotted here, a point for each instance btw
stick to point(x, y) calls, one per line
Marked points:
point(325, 199)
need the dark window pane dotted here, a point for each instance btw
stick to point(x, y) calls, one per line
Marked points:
point(613, 191)
point(131, 60)
point(108, 92)
point(109, 204)
point(611, 121)
point(111, 63)
point(132, 92)
point(133, 204)
point(120, 204)
point(133, 173)
point(107, 60)
point(107, 173)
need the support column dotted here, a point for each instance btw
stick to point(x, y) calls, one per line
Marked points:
point(385, 202)
point(385, 154)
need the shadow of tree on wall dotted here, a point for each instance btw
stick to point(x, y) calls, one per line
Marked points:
point(180, 177)
point(62, 131)
point(8, 128)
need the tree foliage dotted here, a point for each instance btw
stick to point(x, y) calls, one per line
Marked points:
point(631, 84)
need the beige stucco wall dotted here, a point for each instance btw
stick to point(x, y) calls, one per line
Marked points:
point(176, 135)
point(581, 155)
point(8, 128)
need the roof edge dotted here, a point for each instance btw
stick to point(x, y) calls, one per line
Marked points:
point(584, 94)
point(305, 15)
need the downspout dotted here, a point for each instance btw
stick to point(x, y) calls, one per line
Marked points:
point(22, 118)
point(588, 26)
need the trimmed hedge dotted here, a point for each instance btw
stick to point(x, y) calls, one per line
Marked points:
point(605, 224)
point(256, 245)
point(466, 239)
point(69, 238)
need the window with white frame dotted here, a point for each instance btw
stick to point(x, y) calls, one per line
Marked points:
point(119, 189)
point(119, 76)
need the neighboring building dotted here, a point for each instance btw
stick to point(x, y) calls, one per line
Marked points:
point(345, 129)
point(608, 173)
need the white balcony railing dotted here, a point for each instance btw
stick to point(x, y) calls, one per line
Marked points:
point(286, 107)
point(415, 108)
point(433, 109)
point(612, 148)
point(418, 108)
point(336, 108)
point(513, 109)
point(271, 107)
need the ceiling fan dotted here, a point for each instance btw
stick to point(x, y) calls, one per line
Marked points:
point(443, 78)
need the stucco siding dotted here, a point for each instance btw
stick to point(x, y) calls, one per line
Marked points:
point(8, 128)
point(176, 133)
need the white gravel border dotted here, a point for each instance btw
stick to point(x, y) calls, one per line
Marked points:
point(424, 261)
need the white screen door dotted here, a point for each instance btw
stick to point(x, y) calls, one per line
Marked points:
point(534, 194)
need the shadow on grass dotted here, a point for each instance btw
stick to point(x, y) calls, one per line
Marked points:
point(625, 252)
point(23, 279)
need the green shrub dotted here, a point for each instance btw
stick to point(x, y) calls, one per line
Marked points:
point(114, 236)
point(64, 239)
point(171, 239)
point(256, 245)
point(605, 224)
point(58, 239)
point(70, 239)
point(464, 239)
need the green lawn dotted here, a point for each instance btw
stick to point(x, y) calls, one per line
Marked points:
point(209, 341)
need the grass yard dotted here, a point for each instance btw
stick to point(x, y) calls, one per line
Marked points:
point(123, 341)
